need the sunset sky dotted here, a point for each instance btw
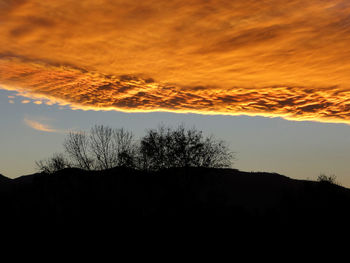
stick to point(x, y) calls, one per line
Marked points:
point(271, 77)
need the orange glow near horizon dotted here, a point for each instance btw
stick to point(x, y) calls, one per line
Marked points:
point(271, 58)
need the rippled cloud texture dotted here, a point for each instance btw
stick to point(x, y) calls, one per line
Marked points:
point(270, 58)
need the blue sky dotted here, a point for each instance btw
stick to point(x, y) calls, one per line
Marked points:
point(296, 149)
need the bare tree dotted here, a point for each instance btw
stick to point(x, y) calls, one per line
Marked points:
point(77, 146)
point(154, 149)
point(125, 147)
point(102, 146)
point(186, 147)
point(112, 147)
point(181, 147)
point(55, 163)
point(215, 153)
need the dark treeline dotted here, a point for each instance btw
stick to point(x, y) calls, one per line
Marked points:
point(165, 147)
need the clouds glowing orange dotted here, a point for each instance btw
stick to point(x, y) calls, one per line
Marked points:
point(40, 126)
point(270, 58)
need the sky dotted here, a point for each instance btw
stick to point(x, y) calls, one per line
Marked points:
point(271, 77)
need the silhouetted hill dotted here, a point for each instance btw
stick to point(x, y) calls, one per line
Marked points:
point(121, 193)
point(4, 179)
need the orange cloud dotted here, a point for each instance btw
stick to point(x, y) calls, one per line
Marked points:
point(39, 126)
point(269, 58)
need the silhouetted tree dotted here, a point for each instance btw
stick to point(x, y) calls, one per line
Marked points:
point(165, 147)
point(332, 179)
point(124, 147)
point(77, 145)
point(55, 163)
point(102, 147)
point(154, 149)
point(112, 147)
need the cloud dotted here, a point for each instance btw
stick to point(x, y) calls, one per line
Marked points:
point(270, 58)
point(36, 125)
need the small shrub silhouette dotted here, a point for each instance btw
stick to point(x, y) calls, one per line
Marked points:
point(332, 179)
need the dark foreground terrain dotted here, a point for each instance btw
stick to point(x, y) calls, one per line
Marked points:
point(73, 195)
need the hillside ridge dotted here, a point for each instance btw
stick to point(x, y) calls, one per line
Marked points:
point(74, 194)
